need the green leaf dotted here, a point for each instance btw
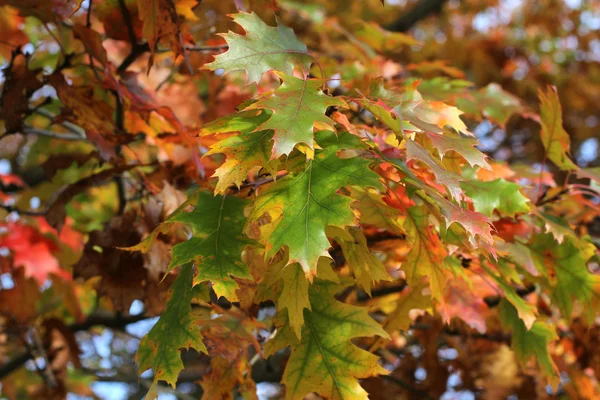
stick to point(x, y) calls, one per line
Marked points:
point(294, 296)
point(297, 105)
point(325, 360)
point(217, 242)
point(568, 262)
point(244, 152)
point(558, 227)
point(263, 48)
point(243, 122)
point(493, 102)
point(309, 201)
point(287, 286)
point(500, 195)
point(382, 112)
point(555, 139)
point(176, 329)
point(530, 343)
point(427, 254)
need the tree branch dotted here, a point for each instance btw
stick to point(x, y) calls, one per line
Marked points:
point(421, 10)
point(140, 49)
point(112, 321)
point(51, 134)
point(128, 23)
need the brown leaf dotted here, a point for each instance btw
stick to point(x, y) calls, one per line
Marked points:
point(20, 302)
point(62, 345)
point(92, 42)
point(123, 275)
point(160, 22)
point(18, 87)
point(11, 28)
point(46, 11)
point(93, 115)
point(121, 272)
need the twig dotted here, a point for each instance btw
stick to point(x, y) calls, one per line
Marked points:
point(421, 10)
point(113, 321)
point(146, 383)
point(51, 134)
point(422, 394)
point(46, 371)
point(142, 48)
point(88, 19)
point(128, 22)
point(200, 49)
point(62, 49)
point(30, 213)
point(69, 125)
point(136, 50)
point(363, 296)
point(551, 199)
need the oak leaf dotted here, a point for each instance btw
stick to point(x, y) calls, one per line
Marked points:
point(263, 48)
point(161, 21)
point(500, 195)
point(426, 256)
point(244, 152)
point(176, 329)
point(367, 268)
point(555, 139)
point(297, 105)
point(217, 241)
point(309, 201)
point(325, 360)
point(527, 343)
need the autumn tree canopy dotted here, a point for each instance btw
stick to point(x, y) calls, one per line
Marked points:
point(264, 199)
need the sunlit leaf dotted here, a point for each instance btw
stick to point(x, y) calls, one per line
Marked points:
point(555, 139)
point(300, 104)
point(263, 48)
point(325, 360)
point(309, 201)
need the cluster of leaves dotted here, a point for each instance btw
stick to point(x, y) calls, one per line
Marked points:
point(321, 210)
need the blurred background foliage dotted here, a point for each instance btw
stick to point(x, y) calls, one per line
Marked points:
point(499, 47)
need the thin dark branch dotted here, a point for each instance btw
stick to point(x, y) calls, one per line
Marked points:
point(422, 394)
point(14, 363)
point(52, 134)
point(136, 51)
point(69, 125)
point(142, 48)
point(201, 49)
point(88, 19)
point(542, 201)
point(55, 210)
point(112, 321)
point(384, 291)
point(30, 213)
point(119, 181)
point(421, 10)
point(129, 23)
